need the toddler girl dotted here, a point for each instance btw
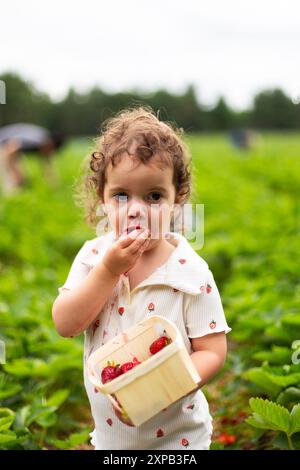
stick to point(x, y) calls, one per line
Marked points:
point(139, 268)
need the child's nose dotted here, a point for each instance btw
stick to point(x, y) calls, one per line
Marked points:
point(136, 209)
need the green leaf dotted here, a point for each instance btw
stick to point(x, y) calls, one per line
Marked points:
point(272, 380)
point(275, 416)
point(79, 438)
point(262, 379)
point(291, 319)
point(295, 420)
point(5, 423)
point(27, 368)
point(296, 440)
point(284, 381)
point(216, 446)
point(6, 437)
point(22, 416)
point(47, 419)
point(277, 355)
point(289, 396)
point(281, 441)
point(40, 413)
point(10, 390)
point(257, 421)
point(4, 412)
point(61, 444)
point(58, 397)
point(72, 441)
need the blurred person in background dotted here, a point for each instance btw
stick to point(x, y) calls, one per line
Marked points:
point(15, 139)
point(243, 139)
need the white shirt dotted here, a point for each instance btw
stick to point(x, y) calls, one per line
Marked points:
point(184, 291)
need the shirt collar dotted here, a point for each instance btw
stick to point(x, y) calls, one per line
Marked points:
point(184, 270)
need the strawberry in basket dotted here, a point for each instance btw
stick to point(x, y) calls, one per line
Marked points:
point(159, 344)
point(110, 372)
point(129, 365)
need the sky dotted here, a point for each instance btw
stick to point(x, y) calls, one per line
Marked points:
point(230, 48)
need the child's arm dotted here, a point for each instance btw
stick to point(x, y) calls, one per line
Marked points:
point(207, 328)
point(209, 354)
point(74, 310)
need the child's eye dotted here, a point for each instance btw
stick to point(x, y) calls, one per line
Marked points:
point(155, 196)
point(121, 196)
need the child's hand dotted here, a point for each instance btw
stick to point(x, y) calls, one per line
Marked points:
point(125, 252)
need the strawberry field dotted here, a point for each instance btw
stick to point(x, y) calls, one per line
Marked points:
point(252, 213)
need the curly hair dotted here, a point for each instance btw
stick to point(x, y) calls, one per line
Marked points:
point(135, 131)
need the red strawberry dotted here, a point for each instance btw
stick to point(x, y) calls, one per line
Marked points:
point(151, 306)
point(129, 365)
point(185, 442)
point(126, 367)
point(110, 372)
point(121, 310)
point(159, 433)
point(208, 288)
point(212, 325)
point(109, 421)
point(231, 439)
point(159, 344)
point(226, 439)
point(136, 361)
point(182, 261)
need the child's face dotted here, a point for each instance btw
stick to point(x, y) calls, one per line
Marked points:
point(139, 194)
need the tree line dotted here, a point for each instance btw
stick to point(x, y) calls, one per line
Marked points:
point(82, 113)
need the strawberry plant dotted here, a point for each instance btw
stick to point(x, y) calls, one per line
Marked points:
point(272, 416)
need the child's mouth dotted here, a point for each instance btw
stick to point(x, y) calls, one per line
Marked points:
point(130, 229)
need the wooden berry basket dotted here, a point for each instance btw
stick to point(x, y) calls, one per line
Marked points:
point(160, 379)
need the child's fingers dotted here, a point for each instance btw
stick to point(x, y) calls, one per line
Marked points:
point(127, 240)
point(138, 243)
point(143, 247)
